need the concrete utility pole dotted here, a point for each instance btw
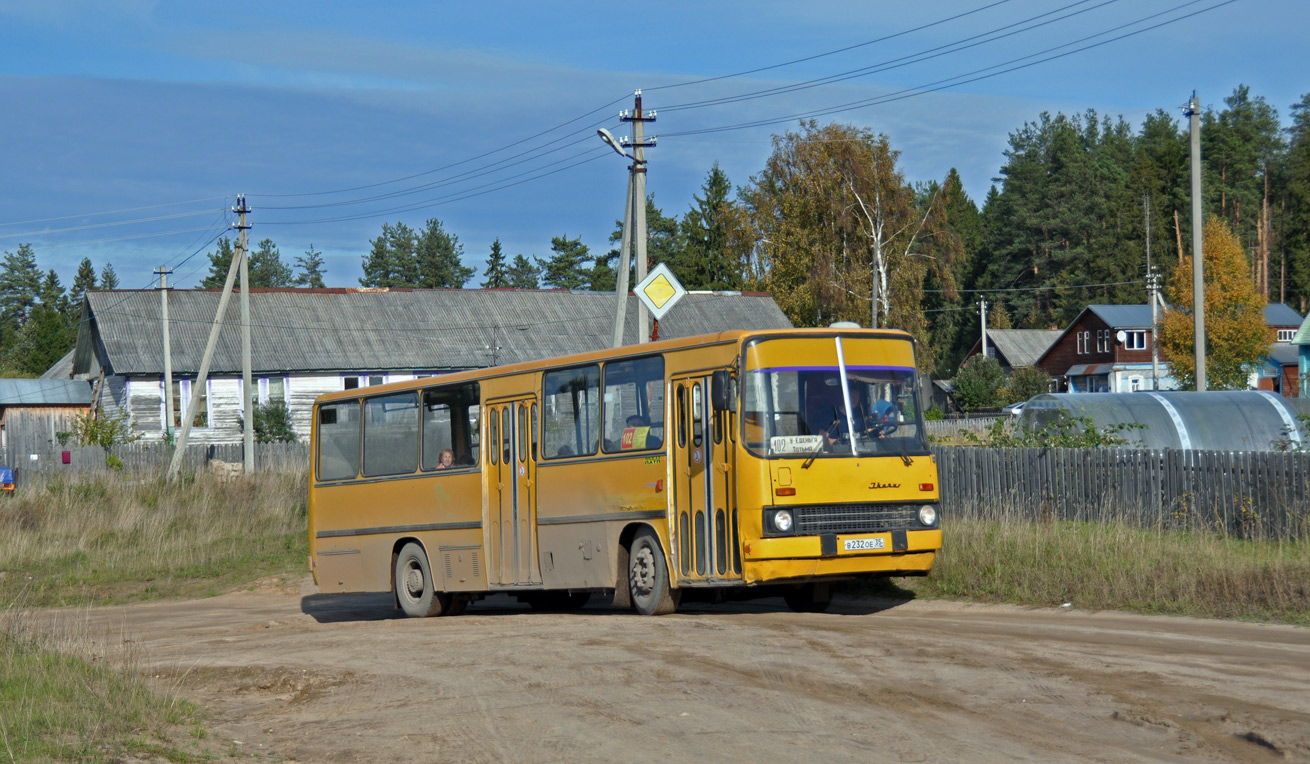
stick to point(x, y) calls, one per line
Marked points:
point(982, 311)
point(203, 375)
point(1152, 284)
point(638, 169)
point(1198, 271)
point(625, 252)
point(248, 449)
point(163, 272)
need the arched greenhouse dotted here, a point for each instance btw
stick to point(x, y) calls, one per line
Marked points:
point(1252, 420)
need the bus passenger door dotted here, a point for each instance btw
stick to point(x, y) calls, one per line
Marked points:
point(499, 467)
point(512, 492)
point(525, 490)
point(691, 457)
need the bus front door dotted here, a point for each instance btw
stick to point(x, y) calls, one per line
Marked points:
point(705, 532)
point(512, 492)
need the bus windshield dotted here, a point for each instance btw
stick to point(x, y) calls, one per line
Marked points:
point(855, 403)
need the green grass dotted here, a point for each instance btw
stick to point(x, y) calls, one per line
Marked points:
point(62, 702)
point(1119, 566)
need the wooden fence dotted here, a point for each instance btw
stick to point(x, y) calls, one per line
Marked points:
point(1252, 493)
point(951, 428)
point(139, 457)
point(1245, 493)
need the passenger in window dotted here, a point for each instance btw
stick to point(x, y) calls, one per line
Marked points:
point(445, 459)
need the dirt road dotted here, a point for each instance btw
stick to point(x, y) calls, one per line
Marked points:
point(305, 677)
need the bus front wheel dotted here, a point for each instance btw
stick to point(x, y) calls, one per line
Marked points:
point(648, 576)
point(415, 590)
point(809, 598)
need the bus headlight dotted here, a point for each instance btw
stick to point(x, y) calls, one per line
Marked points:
point(928, 515)
point(782, 520)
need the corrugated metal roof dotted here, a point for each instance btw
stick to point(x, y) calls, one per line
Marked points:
point(1022, 347)
point(380, 330)
point(1281, 314)
point(1124, 316)
point(45, 392)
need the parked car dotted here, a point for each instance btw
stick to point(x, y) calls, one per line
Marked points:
point(7, 480)
point(1014, 409)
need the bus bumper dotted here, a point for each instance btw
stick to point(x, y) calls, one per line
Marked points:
point(803, 556)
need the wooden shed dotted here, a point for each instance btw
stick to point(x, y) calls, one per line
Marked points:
point(34, 411)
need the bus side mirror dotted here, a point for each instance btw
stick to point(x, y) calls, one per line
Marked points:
point(723, 391)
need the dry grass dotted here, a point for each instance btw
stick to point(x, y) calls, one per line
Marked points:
point(111, 538)
point(67, 694)
point(1121, 566)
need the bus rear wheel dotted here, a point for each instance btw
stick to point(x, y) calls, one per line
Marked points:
point(648, 576)
point(415, 590)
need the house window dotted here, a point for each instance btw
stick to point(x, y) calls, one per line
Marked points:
point(1084, 342)
point(1134, 384)
point(1102, 340)
point(1286, 335)
point(1135, 340)
point(356, 381)
point(268, 390)
point(182, 391)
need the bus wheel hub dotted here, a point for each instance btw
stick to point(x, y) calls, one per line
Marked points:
point(643, 570)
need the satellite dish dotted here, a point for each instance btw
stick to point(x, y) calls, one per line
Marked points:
point(1121, 336)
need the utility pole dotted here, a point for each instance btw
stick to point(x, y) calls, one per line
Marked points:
point(248, 449)
point(982, 311)
point(624, 260)
point(1152, 286)
point(163, 273)
point(638, 170)
point(202, 376)
point(1198, 271)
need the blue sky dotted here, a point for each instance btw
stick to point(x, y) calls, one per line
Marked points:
point(130, 125)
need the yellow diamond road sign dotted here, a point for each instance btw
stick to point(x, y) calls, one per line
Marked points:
point(660, 291)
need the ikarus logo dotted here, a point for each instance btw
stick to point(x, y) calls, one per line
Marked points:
point(875, 485)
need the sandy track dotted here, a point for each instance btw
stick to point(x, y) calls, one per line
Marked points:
point(313, 678)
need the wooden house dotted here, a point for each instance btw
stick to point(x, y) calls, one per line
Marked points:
point(306, 342)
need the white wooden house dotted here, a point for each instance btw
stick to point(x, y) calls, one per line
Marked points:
point(306, 342)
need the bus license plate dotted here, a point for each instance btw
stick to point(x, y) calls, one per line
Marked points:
point(861, 545)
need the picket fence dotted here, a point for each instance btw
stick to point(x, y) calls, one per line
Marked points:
point(1244, 493)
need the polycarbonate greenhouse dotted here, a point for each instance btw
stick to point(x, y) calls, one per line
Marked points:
point(1252, 420)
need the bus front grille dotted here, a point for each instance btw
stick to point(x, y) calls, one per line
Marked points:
point(854, 518)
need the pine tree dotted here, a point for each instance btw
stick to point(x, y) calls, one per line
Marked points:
point(311, 269)
point(566, 269)
point(712, 255)
point(20, 286)
point(523, 273)
point(1296, 171)
point(220, 262)
point(266, 267)
point(392, 261)
point(108, 277)
point(437, 256)
point(497, 273)
point(83, 282)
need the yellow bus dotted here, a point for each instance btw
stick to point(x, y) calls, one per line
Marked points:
point(724, 464)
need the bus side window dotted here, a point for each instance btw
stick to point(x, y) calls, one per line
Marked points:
point(682, 416)
point(696, 415)
point(493, 435)
point(338, 441)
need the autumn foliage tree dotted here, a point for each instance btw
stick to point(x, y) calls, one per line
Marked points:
point(840, 234)
point(1235, 331)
